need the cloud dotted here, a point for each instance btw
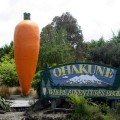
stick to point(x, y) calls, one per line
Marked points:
point(96, 17)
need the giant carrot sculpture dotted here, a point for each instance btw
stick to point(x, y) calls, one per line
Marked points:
point(26, 50)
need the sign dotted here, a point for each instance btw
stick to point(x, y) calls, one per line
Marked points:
point(84, 79)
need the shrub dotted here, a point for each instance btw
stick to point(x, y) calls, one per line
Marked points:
point(79, 104)
point(4, 104)
point(8, 74)
point(84, 109)
point(104, 108)
point(109, 116)
point(36, 83)
point(118, 108)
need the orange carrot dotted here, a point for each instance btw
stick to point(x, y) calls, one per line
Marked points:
point(26, 50)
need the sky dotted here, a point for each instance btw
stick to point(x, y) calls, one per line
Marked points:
point(96, 17)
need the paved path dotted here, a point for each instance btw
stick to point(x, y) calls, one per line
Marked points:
point(21, 101)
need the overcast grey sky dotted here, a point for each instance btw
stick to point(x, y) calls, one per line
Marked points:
point(96, 17)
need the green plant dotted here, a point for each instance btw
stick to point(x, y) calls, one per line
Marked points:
point(86, 109)
point(104, 108)
point(109, 116)
point(93, 112)
point(79, 105)
point(118, 108)
point(4, 104)
point(36, 80)
point(36, 83)
point(8, 75)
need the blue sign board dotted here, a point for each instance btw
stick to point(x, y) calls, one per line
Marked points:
point(83, 75)
point(85, 79)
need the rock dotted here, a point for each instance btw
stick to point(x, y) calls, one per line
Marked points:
point(2, 112)
point(40, 105)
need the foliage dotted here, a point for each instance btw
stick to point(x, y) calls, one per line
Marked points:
point(74, 33)
point(85, 109)
point(104, 108)
point(69, 23)
point(36, 80)
point(8, 75)
point(4, 104)
point(7, 49)
point(54, 47)
point(118, 108)
point(93, 113)
point(79, 104)
point(36, 83)
point(104, 52)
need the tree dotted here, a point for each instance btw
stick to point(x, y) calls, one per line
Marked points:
point(116, 38)
point(69, 23)
point(1, 52)
point(105, 52)
point(7, 49)
point(74, 33)
point(93, 50)
point(54, 47)
point(8, 74)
